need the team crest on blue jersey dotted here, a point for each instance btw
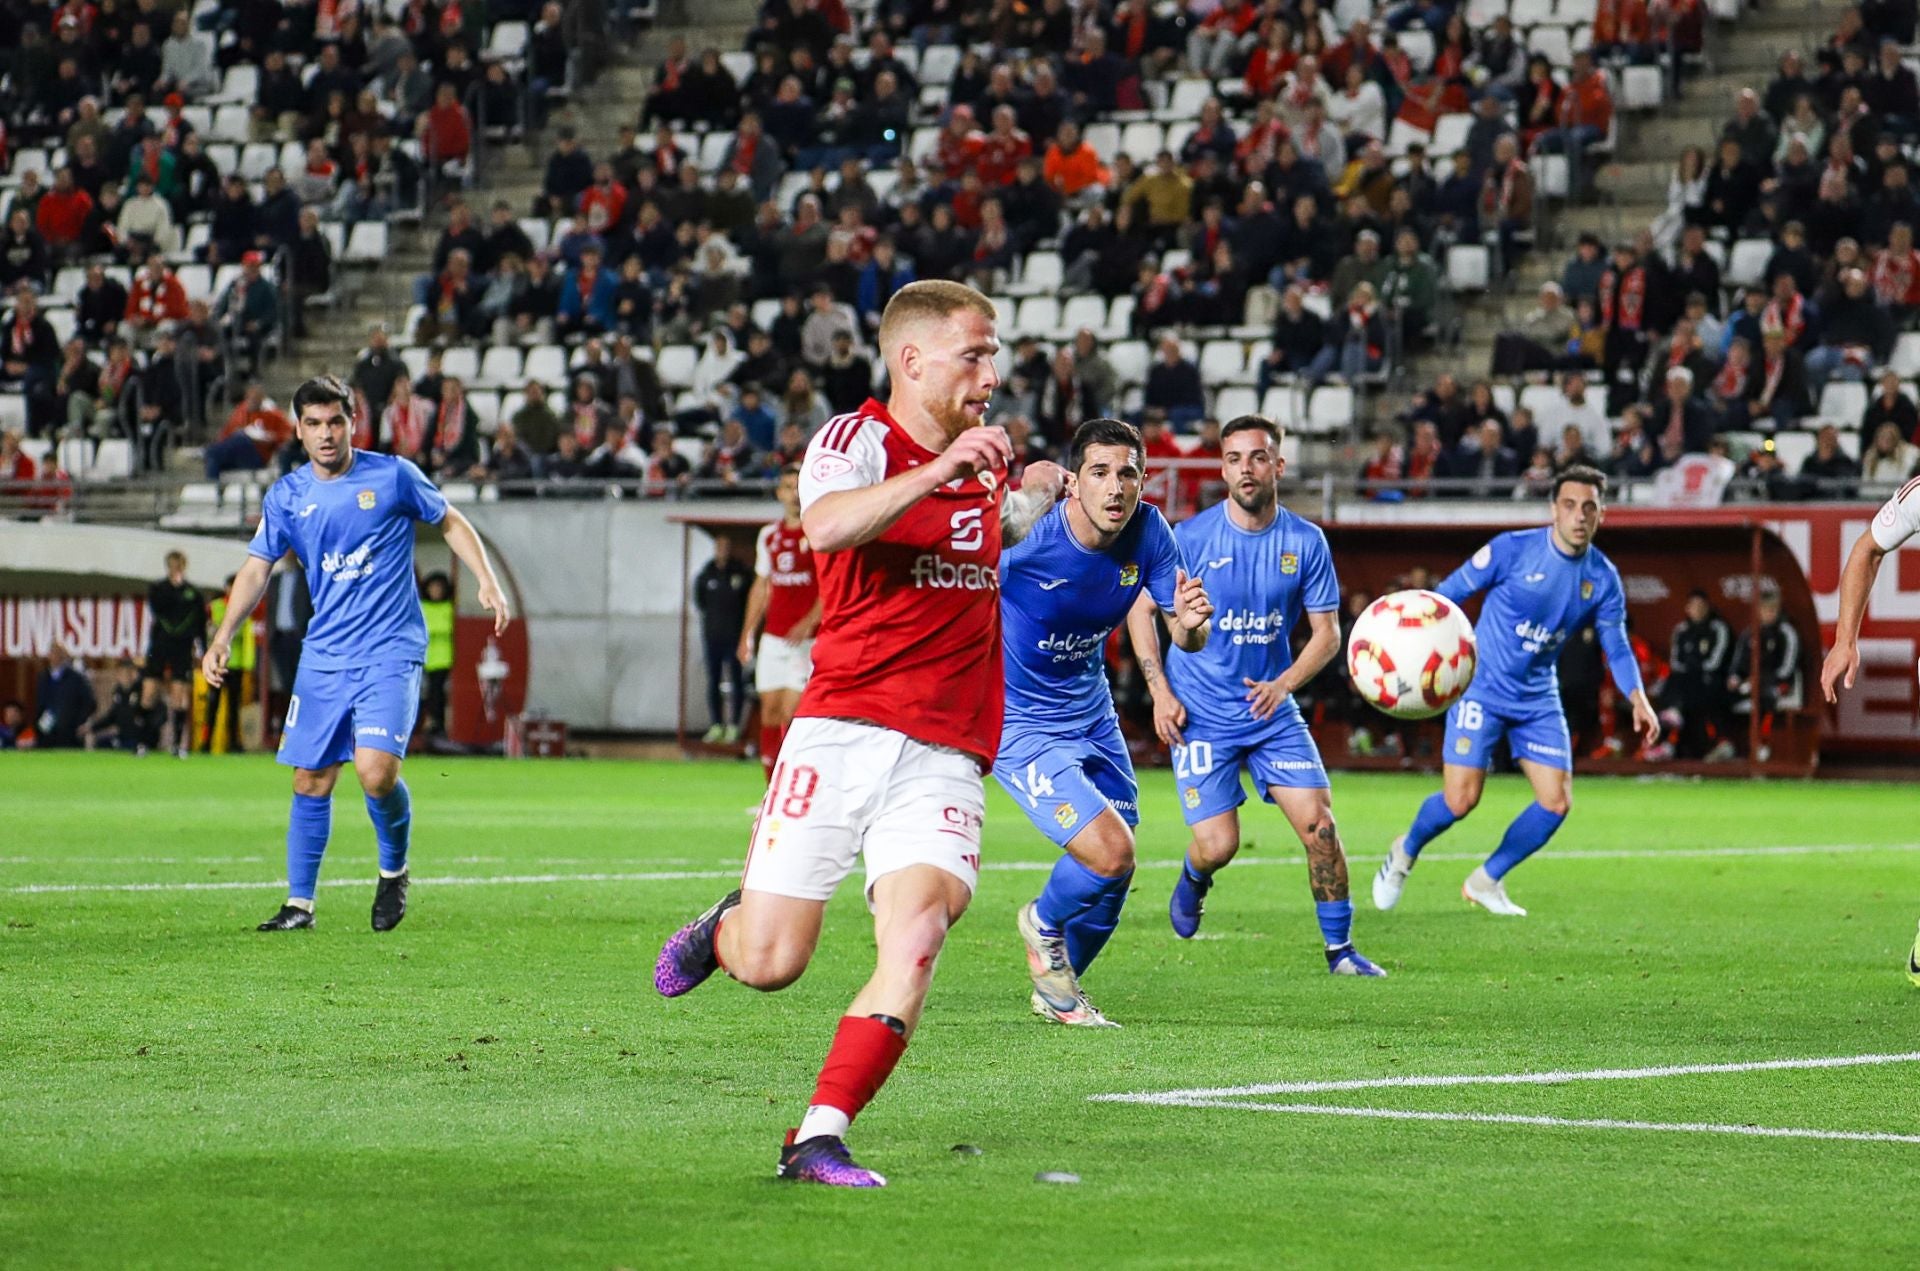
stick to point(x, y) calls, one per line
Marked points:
point(1066, 814)
point(366, 500)
point(1289, 563)
point(1586, 591)
point(1191, 797)
point(1129, 574)
point(1463, 745)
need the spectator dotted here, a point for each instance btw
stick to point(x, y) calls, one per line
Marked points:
point(587, 297)
point(1061, 402)
point(1889, 460)
point(1777, 385)
point(720, 596)
point(1680, 424)
point(847, 378)
point(1173, 385)
point(1572, 409)
point(533, 422)
point(799, 404)
point(186, 61)
point(23, 252)
point(1855, 334)
point(1891, 406)
point(446, 131)
point(64, 700)
point(1780, 687)
point(62, 215)
point(729, 459)
point(1073, 169)
point(254, 432)
point(1410, 287)
point(1543, 339)
point(1483, 458)
point(100, 306)
point(31, 358)
point(1355, 343)
point(1828, 473)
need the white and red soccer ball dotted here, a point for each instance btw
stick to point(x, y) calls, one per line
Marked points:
point(1412, 654)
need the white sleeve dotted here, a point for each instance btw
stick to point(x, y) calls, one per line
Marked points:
point(762, 552)
point(847, 453)
point(1899, 518)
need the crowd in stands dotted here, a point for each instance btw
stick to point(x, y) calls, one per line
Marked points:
point(1766, 319)
point(182, 181)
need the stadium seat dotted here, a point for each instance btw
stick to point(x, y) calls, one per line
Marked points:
point(1530, 13)
point(509, 40)
point(1450, 133)
point(546, 363)
point(764, 311)
point(67, 284)
point(1119, 319)
point(1041, 274)
point(231, 124)
point(675, 364)
point(1085, 311)
point(1793, 449)
point(713, 149)
point(1222, 362)
point(414, 358)
point(538, 232)
point(1189, 95)
point(367, 244)
point(62, 321)
point(739, 64)
point(1105, 140)
point(1642, 87)
point(1417, 44)
point(1130, 360)
point(1742, 444)
point(1330, 412)
point(938, 62)
point(1143, 141)
point(1232, 402)
point(1468, 267)
point(1575, 12)
point(1905, 361)
point(1844, 402)
point(1551, 175)
point(1504, 398)
point(240, 86)
point(920, 145)
point(1538, 397)
point(1748, 264)
point(1285, 404)
point(257, 159)
point(1039, 316)
point(502, 367)
point(460, 491)
point(1177, 133)
point(113, 461)
point(1175, 258)
point(460, 362)
point(32, 159)
point(1552, 43)
point(1403, 136)
point(486, 409)
point(1481, 13)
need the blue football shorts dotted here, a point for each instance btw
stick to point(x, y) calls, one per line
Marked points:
point(1538, 733)
point(332, 713)
point(1062, 783)
point(1206, 770)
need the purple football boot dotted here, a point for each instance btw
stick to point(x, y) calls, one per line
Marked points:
point(687, 958)
point(823, 1159)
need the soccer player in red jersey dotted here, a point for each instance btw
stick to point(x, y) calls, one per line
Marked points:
point(785, 600)
point(906, 507)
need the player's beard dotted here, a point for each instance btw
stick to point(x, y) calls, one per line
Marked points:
point(952, 417)
point(1259, 502)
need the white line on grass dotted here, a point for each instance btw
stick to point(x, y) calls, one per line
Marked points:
point(1603, 1123)
point(1214, 1095)
point(1024, 867)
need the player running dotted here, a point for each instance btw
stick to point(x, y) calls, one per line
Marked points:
point(348, 516)
point(1895, 523)
point(1230, 705)
point(906, 507)
point(1541, 585)
point(177, 614)
point(1063, 590)
point(785, 600)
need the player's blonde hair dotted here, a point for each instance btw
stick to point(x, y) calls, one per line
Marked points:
point(934, 299)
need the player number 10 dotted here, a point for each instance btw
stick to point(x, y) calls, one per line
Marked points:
point(1195, 759)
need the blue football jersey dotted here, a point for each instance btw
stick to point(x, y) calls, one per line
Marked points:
point(1262, 584)
point(1060, 601)
point(354, 537)
point(1536, 596)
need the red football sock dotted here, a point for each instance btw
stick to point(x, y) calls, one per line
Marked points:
point(859, 1062)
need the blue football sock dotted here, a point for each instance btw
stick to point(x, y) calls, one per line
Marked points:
point(1196, 876)
point(1088, 933)
point(392, 819)
point(1336, 921)
point(1429, 823)
point(1069, 902)
point(1527, 835)
point(308, 828)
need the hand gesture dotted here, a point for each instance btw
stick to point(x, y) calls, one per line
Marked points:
point(1839, 670)
point(974, 451)
point(1645, 722)
point(494, 602)
point(1264, 696)
point(1044, 477)
point(213, 663)
point(1191, 608)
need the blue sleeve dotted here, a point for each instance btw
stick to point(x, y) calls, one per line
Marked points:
point(1610, 623)
point(1477, 573)
point(1319, 588)
point(270, 541)
point(569, 297)
point(1163, 559)
point(418, 495)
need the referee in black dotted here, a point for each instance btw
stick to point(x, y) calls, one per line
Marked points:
point(177, 631)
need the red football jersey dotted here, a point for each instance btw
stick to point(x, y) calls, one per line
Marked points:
point(910, 622)
point(785, 560)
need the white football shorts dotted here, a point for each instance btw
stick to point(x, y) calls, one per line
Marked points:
point(782, 664)
point(844, 790)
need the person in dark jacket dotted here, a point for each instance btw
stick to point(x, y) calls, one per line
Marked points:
point(720, 596)
point(1701, 655)
point(64, 702)
point(1781, 684)
point(30, 357)
point(1298, 336)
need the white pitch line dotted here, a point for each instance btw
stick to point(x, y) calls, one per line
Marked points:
point(1213, 1096)
point(1024, 867)
point(1603, 1123)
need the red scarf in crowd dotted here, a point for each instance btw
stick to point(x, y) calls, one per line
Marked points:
point(1775, 367)
point(362, 421)
point(1731, 379)
point(1628, 295)
point(406, 425)
point(22, 339)
point(1792, 319)
point(451, 428)
point(1894, 277)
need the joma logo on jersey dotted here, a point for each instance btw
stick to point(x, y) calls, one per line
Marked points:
point(933, 571)
point(1129, 574)
point(366, 500)
point(1289, 563)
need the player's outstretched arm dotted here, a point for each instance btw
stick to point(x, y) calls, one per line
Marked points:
point(1169, 714)
point(248, 586)
point(1040, 488)
point(841, 519)
point(465, 543)
point(1192, 620)
point(1856, 580)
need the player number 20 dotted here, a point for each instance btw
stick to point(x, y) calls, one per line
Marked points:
point(795, 788)
point(1467, 716)
point(1195, 759)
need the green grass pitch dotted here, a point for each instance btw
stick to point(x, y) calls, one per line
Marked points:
point(496, 1084)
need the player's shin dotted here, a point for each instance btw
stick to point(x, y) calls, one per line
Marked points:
point(864, 1051)
point(1432, 820)
point(309, 825)
point(392, 817)
point(1527, 835)
point(1083, 906)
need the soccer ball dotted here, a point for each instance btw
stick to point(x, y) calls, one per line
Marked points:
point(1412, 654)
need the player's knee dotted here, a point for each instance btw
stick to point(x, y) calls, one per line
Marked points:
point(1560, 802)
point(314, 784)
point(1461, 802)
point(378, 776)
point(1109, 854)
point(1322, 837)
point(769, 962)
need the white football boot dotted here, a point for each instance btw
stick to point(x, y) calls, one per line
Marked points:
point(1489, 894)
point(1392, 878)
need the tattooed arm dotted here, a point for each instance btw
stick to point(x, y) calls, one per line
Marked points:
point(1040, 488)
point(1169, 715)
